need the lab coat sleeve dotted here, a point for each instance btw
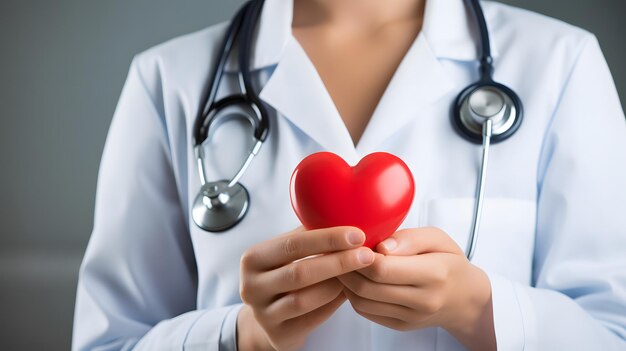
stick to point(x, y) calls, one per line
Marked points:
point(578, 297)
point(137, 282)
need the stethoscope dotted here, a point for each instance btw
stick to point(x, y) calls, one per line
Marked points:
point(485, 112)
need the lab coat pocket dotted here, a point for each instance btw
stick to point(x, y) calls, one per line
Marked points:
point(506, 236)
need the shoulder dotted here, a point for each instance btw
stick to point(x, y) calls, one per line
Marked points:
point(535, 50)
point(174, 73)
point(187, 46)
point(507, 18)
point(528, 33)
point(182, 61)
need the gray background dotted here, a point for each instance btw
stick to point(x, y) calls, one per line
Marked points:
point(62, 66)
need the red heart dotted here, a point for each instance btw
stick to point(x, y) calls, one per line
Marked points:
point(375, 195)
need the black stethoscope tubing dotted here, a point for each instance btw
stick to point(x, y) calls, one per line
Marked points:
point(204, 119)
point(484, 112)
point(485, 80)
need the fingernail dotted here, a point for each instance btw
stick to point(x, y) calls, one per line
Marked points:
point(356, 238)
point(366, 256)
point(389, 244)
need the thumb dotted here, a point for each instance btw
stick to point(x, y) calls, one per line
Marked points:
point(415, 241)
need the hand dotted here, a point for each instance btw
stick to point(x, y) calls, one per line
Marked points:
point(287, 293)
point(421, 278)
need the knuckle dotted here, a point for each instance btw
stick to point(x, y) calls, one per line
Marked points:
point(432, 305)
point(290, 246)
point(434, 230)
point(440, 275)
point(247, 259)
point(245, 290)
point(344, 262)
point(295, 301)
point(296, 274)
point(333, 242)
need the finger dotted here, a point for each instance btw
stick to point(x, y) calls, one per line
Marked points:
point(389, 322)
point(303, 301)
point(403, 295)
point(300, 274)
point(416, 270)
point(295, 245)
point(416, 241)
point(306, 323)
point(378, 308)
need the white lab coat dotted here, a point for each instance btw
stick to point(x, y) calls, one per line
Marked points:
point(553, 236)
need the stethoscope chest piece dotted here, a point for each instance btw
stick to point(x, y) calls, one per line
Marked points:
point(220, 206)
point(485, 112)
point(482, 101)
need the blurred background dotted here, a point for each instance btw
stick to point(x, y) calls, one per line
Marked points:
point(62, 67)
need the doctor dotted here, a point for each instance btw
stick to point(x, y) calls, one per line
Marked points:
point(356, 77)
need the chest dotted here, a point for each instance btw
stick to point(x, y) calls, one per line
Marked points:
point(356, 68)
point(445, 169)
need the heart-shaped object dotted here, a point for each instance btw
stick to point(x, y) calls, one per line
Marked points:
point(375, 195)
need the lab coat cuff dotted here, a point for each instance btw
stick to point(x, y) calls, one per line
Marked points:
point(511, 313)
point(228, 335)
point(214, 330)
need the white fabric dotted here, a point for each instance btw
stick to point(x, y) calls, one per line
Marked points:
point(553, 236)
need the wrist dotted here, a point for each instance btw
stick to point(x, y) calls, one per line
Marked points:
point(472, 325)
point(250, 336)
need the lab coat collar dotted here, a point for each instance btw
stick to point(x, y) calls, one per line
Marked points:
point(296, 91)
point(452, 32)
point(448, 27)
point(270, 36)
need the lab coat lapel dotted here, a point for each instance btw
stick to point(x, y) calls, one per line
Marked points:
point(297, 92)
point(448, 33)
point(450, 29)
point(418, 81)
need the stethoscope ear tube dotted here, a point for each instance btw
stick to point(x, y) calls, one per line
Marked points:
point(485, 112)
point(208, 98)
point(486, 61)
point(222, 204)
point(247, 30)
